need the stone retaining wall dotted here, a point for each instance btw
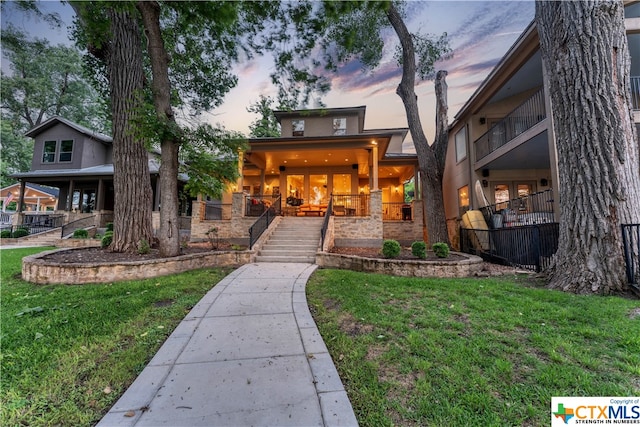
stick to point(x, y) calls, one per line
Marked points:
point(36, 270)
point(464, 268)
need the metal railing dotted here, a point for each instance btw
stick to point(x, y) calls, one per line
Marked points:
point(216, 210)
point(72, 226)
point(524, 117)
point(350, 204)
point(535, 208)
point(258, 204)
point(263, 222)
point(631, 241)
point(325, 223)
point(530, 247)
point(43, 223)
point(635, 92)
point(397, 211)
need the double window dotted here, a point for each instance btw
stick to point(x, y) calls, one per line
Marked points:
point(340, 126)
point(298, 127)
point(57, 151)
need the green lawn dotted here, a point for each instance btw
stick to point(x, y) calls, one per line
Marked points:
point(477, 352)
point(69, 352)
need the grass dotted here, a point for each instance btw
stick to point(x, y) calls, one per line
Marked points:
point(477, 352)
point(69, 352)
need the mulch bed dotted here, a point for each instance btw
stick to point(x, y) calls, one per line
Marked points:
point(96, 255)
point(405, 254)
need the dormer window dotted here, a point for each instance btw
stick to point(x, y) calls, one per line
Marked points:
point(298, 127)
point(66, 150)
point(340, 126)
point(49, 152)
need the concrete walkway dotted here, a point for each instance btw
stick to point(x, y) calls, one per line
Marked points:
point(248, 354)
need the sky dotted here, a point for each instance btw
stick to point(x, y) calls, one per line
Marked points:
point(480, 33)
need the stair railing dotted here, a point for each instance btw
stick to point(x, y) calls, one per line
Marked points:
point(263, 222)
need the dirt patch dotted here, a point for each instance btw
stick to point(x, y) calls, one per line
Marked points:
point(350, 326)
point(98, 255)
point(634, 313)
point(405, 254)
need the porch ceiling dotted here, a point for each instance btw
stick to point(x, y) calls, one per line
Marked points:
point(532, 154)
point(298, 158)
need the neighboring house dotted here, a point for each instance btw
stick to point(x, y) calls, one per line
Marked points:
point(79, 162)
point(323, 154)
point(502, 144)
point(38, 198)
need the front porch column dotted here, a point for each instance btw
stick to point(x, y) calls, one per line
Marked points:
point(262, 183)
point(100, 195)
point(23, 188)
point(374, 174)
point(240, 182)
point(69, 204)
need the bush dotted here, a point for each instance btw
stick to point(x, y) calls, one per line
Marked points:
point(441, 250)
point(109, 226)
point(20, 232)
point(81, 234)
point(5, 234)
point(107, 239)
point(390, 248)
point(419, 249)
point(143, 247)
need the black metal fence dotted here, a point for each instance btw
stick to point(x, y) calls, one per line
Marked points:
point(631, 241)
point(397, 211)
point(533, 209)
point(37, 224)
point(263, 222)
point(350, 204)
point(530, 247)
point(216, 210)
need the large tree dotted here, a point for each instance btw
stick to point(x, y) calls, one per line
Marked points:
point(584, 49)
point(17, 152)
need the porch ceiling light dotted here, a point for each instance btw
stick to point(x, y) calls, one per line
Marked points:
point(346, 160)
point(374, 142)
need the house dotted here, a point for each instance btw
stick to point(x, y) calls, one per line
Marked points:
point(38, 198)
point(78, 162)
point(322, 156)
point(502, 144)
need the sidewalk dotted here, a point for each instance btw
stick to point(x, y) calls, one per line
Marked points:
point(248, 354)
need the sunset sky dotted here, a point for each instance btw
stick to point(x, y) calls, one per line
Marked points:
point(480, 33)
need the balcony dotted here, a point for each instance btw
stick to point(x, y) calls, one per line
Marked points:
point(524, 117)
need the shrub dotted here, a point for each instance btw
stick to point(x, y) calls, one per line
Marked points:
point(390, 248)
point(20, 232)
point(5, 234)
point(107, 239)
point(81, 234)
point(212, 235)
point(109, 226)
point(419, 249)
point(143, 247)
point(441, 250)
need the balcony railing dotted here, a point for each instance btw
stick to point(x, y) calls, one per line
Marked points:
point(535, 208)
point(524, 117)
point(635, 92)
point(258, 204)
point(350, 204)
point(397, 211)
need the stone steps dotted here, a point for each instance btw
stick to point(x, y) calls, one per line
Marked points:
point(294, 240)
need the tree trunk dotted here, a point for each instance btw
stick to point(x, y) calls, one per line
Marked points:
point(131, 181)
point(584, 49)
point(431, 159)
point(169, 232)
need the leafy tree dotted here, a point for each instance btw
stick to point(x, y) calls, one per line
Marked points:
point(266, 125)
point(598, 164)
point(17, 152)
point(46, 81)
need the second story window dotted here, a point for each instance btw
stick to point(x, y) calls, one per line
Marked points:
point(340, 126)
point(461, 145)
point(49, 152)
point(66, 149)
point(298, 127)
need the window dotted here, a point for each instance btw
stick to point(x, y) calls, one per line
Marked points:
point(463, 199)
point(340, 126)
point(501, 196)
point(317, 189)
point(66, 149)
point(461, 145)
point(341, 183)
point(298, 127)
point(49, 152)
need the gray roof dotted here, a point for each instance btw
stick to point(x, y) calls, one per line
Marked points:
point(32, 133)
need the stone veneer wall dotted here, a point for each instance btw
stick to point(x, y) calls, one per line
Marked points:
point(361, 231)
point(37, 270)
point(468, 267)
